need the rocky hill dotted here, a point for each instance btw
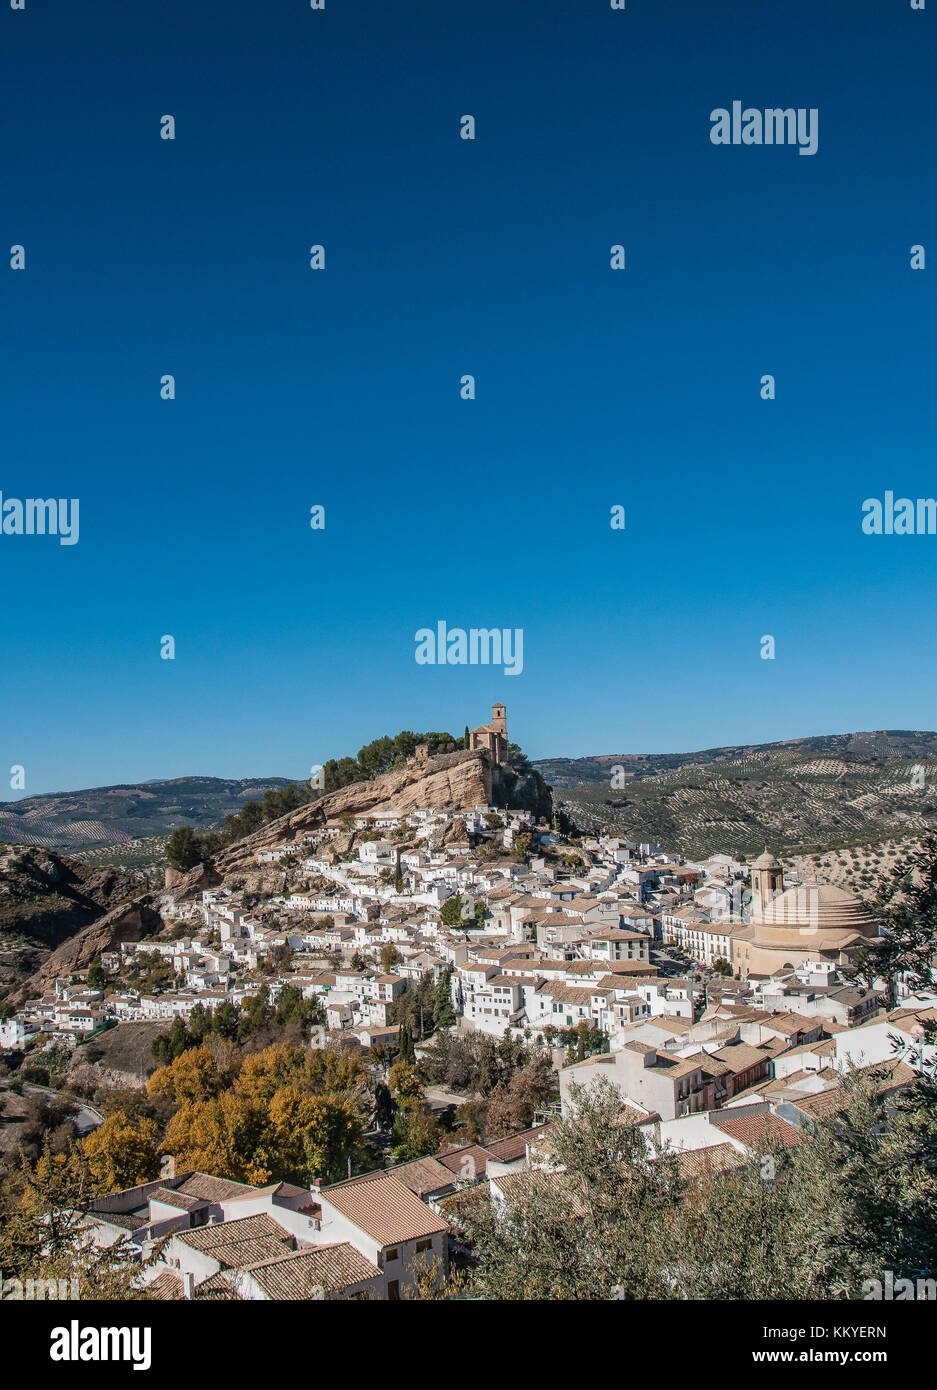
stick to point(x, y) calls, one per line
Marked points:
point(457, 781)
point(128, 812)
point(48, 901)
point(830, 791)
point(45, 897)
point(129, 922)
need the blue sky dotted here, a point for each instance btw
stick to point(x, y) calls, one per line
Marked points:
point(341, 387)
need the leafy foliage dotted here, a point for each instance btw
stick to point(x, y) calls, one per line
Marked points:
point(855, 1196)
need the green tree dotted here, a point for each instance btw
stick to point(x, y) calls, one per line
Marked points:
point(166, 1047)
point(184, 849)
point(405, 1050)
point(907, 904)
point(225, 1018)
point(443, 1012)
point(97, 976)
point(385, 1107)
point(451, 912)
point(416, 1132)
point(390, 957)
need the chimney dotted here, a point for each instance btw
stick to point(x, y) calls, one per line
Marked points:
point(188, 1284)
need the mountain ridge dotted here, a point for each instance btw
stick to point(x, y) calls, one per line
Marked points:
point(794, 795)
point(592, 769)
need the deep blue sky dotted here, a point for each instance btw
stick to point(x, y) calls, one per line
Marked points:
point(342, 388)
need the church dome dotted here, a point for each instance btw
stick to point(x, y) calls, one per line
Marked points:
point(766, 861)
point(818, 907)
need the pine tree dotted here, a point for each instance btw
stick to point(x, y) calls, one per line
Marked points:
point(443, 1011)
point(405, 1049)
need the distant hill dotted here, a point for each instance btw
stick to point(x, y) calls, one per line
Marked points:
point(829, 790)
point(587, 772)
point(129, 811)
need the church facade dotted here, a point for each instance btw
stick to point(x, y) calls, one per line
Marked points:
point(492, 737)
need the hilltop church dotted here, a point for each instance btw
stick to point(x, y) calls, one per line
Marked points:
point(492, 737)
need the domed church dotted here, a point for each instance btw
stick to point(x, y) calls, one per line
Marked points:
point(787, 926)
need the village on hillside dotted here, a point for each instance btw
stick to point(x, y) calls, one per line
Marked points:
point(428, 950)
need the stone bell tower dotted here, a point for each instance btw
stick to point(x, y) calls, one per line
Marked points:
point(494, 736)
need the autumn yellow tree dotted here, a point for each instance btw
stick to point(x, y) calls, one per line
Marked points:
point(194, 1075)
point(405, 1080)
point(285, 1112)
point(314, 1135)
point(263, 1073)
point(122, 1152)
point(227, 1136)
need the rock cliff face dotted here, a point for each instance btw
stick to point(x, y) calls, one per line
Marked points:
point(45, 897)
point(522, 791)
point(129, 922)
point(189, 885)
point(454, 780)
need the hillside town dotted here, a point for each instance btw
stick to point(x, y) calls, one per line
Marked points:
point(715, 997)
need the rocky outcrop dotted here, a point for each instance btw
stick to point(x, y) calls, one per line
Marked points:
point(523, 791)
point(45, 897)
point(186, 886)
point(130, 922)
point(456, 781)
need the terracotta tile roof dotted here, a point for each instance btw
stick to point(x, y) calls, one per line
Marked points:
point(709, 1065)
point(759, 1133)
point(890, 1076)
point(211, 1188)
point(793, 1023)
point(176, 1199)
point(421, 1176)
point(166, 1285)
point(515, 1145)
point(671, 1024)
point(457, 1159)
point(514, 1186)
point(384, 1208)
point(740, 1057)
point(465, 1203)
point(697, 1164)
point(219, 1286)
point(127, 1221)
point(241, 1242)
point(331, 1268)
